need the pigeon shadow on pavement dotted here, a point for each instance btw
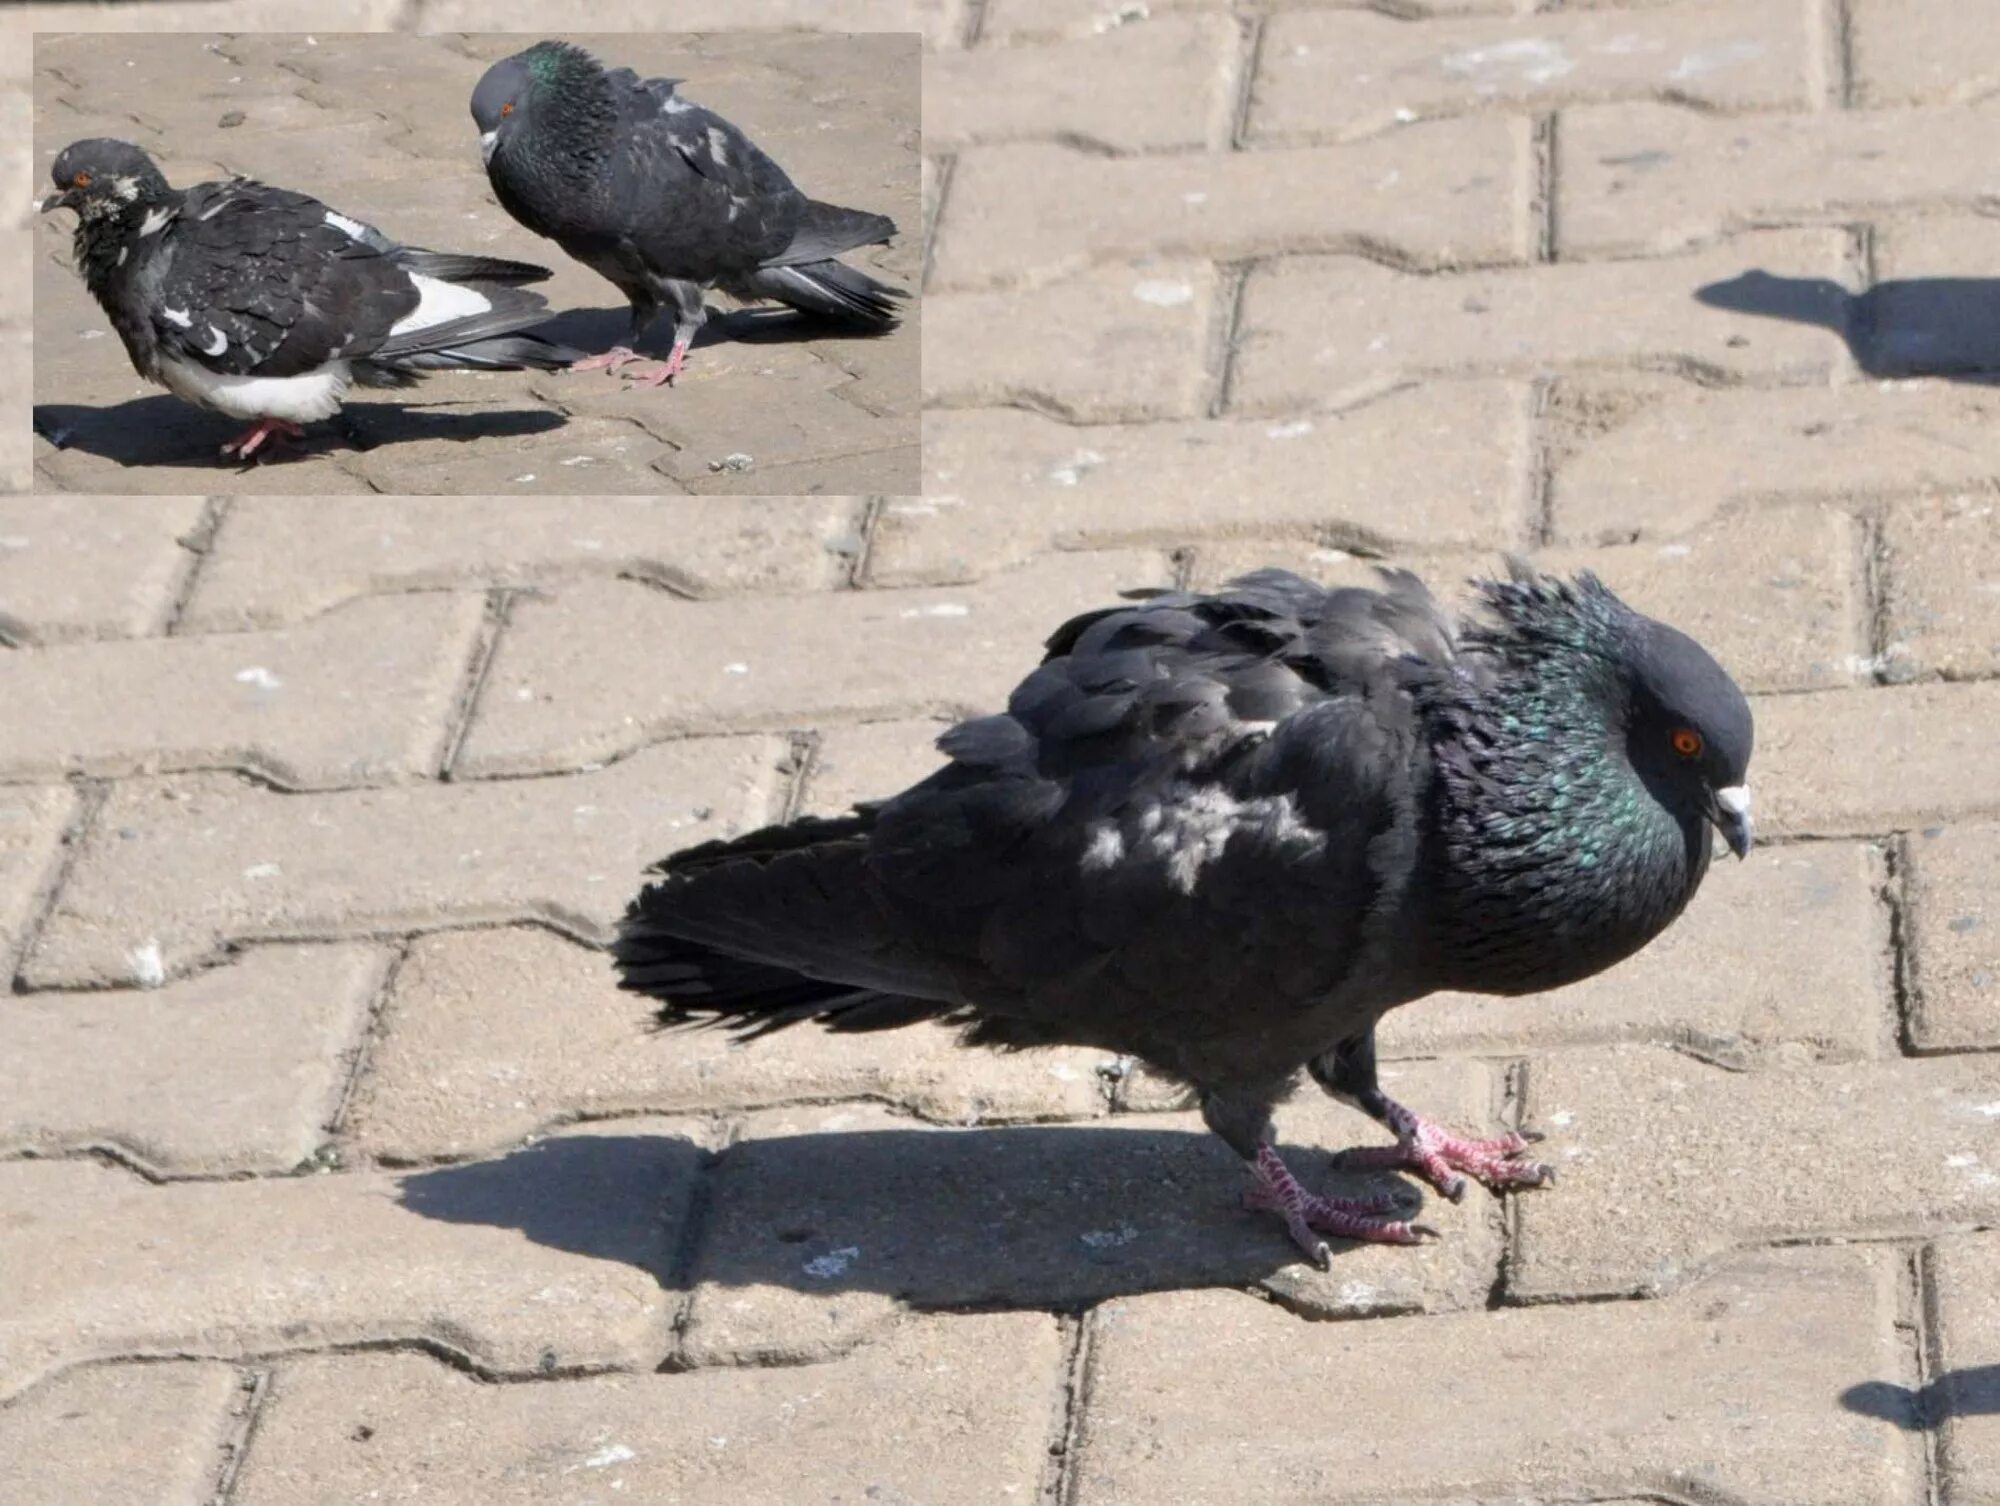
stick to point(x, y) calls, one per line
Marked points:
point(1908, 327)
point(596, 330)
point(164, 431)
point(1027, 1216)
point(1970, 1392)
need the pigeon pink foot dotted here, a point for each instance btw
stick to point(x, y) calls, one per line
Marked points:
point(611, 360)
point(1307, 1215)
point(244, 445)
point(1438, 1156)
point(658, 373)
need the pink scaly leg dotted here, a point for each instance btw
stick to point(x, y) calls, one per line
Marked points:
point(1438, 1156)
point(1307, 1215)
point(244, 445)
point(611, 360)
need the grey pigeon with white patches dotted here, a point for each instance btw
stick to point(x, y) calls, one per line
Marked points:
point(665, 199)
point(264, 304)
point(1227, 833)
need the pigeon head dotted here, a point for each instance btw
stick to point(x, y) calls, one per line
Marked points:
point(1580, 659)
point(103, 179)
point(552, 83)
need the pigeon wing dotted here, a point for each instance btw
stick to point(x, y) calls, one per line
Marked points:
point(265, 282)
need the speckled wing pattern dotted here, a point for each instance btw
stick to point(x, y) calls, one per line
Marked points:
point(268, 286)
point(697, 196)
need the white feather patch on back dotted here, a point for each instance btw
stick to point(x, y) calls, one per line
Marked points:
point(302, 399)
point(438, 303)
point(351, 228)
point(217, 342)
point(177, 316)
point(718, 147)
point(155, 221)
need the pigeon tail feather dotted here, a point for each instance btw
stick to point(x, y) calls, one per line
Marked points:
point(830, 289)
point(452, 266)
point(826, 230)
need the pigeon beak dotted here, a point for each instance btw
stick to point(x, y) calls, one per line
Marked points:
point(64, 200)
point(488, 140)
point(1730, 811)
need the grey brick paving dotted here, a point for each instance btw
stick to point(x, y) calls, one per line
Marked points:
point(331, 1164)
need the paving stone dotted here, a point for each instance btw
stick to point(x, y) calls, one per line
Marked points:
point(1345, 73)
point(1668, 1163)
point(1853, 444)
point(95, 567)
point(1450, 194)
point(955, 1409)
point(1016, 20)
point(938, 20)
point(1885, 759)
point(1966, 1276)
point(187, 15)
point(119, 1435)
point(1790, 947)
point(32, 823)
point(825, 1222)
point(1941, 586)
point(176, 867)
point(364, 693)
point(1647, 180)
point(1718, 1393)
point(447, 1075)
point(239, 1069)
point(1168, 83)
point(869, 762)
point(17, 450)
point(17, 161)
point(1314, 330)
point(1928, 51)
point(1121, 345)
point(1774, 594)
point(278, 560)
point(1437, 466)
point(1950, 879)
point(1931, 309)
point(555, 698)
point(552, 1259)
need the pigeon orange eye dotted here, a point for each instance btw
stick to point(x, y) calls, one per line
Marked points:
point(81, 180)
point(1686, 741)
point(508, 108)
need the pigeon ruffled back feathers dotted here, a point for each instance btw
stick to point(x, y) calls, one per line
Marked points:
point(1227, 832)
point(664, 199)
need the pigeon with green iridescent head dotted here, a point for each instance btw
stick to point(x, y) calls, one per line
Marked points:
point(1226, 833)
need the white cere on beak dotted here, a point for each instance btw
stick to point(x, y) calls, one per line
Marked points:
point(487, 141)
point(1734, 798)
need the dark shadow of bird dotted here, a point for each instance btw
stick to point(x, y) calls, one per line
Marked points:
point(1062, 1213)
point(164, 431)
point(1973, 1391)
point(1915, 326)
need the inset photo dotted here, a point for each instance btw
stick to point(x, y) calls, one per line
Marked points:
point(493, 264)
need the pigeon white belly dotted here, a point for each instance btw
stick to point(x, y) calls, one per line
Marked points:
point(302, 399)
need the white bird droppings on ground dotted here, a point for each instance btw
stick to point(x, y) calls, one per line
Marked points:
point(1162, 294)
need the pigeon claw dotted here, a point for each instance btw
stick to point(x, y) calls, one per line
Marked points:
point(245, 445)
point(1307, 1215)
point(1438, 1156)
point(611, 360)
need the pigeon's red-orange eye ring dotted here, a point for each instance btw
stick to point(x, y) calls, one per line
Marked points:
point(81, 180)
point(1686, 741)
point(508, 108)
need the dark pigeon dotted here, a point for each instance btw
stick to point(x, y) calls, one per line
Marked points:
point(1227, 833)
point(665, 199)
point(265, 304)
